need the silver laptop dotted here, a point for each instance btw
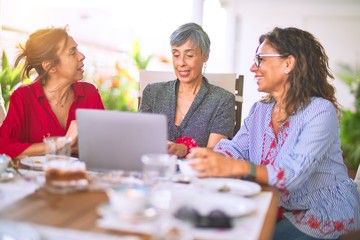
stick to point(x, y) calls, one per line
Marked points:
point(115, 140)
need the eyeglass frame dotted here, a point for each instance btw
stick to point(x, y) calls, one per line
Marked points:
point(257, 57)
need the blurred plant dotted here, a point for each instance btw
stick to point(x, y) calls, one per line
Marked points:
point(120, 91)
point(140, 62)
point(350, 120)
point(10, 78)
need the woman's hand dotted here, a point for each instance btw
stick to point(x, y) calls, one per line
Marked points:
point(212, 164)
point(178, 149)
point(73, 133)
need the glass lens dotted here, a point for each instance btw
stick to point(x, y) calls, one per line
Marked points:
point(257, 60)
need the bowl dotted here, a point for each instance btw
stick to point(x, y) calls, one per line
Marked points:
point(128, 200)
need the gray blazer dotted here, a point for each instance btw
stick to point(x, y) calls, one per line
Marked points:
point(212, 111)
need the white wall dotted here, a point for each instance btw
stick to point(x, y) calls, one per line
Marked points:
point(336, 23)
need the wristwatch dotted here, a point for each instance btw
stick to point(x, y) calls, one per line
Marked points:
point(252, 174)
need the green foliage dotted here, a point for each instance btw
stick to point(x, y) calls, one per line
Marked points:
point(120, 91)
point(10, 78)
point(140, 62)
point(350, 120)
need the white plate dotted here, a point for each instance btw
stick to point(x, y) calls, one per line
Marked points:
point(37, 162)
point(105, 210)
point(233, 206)
point(229, 185)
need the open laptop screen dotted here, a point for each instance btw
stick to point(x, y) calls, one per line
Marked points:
point(115, 140)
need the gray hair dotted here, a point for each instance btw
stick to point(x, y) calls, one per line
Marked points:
point(194, 32)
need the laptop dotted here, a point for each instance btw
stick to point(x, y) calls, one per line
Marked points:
point(116, 140)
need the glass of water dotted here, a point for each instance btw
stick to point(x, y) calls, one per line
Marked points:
point(158, 167)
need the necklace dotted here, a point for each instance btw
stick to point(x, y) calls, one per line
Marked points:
point(58, 102)
point(181, 113)
point(62, 100)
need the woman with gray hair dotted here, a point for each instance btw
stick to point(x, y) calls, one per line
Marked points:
point(198, 113)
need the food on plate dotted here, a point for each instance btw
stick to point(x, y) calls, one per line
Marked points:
point(65, 173)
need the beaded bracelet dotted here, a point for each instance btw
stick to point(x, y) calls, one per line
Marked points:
point(252, 174)
point(187, 141)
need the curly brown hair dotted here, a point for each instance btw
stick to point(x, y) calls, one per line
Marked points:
point(311, 73)
point(42, 45)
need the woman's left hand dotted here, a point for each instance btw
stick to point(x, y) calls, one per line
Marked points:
point(212, 164)
point(73, 132)
point(178, 149)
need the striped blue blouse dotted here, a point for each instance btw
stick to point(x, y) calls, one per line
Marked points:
point(304, 161)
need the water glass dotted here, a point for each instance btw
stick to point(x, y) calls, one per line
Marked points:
point(158, 167)
point(4, 162)
point(57, 148)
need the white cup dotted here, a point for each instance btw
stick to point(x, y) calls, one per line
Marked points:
point(158, 167)
point(186, 169)
point(4, 162)
point(128, 201)
point(57, 148)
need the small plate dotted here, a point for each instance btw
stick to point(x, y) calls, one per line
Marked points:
point(233, 206)
point(37, 162)
point(229, 185)
point(105, 210)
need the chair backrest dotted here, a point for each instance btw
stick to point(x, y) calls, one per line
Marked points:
point(228, 81)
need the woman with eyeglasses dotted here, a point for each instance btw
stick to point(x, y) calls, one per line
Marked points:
point(290, 140)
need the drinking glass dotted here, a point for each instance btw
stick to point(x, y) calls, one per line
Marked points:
point(57, 148)
point(4, 162)
point(158, 167)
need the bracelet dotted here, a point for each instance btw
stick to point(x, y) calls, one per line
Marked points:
point(252, 174)
point(188, 142)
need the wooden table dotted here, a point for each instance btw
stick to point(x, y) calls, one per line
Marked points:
point(79, 211)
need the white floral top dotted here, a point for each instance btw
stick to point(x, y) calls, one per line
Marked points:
point(304, 161)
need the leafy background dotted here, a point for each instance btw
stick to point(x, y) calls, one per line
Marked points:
point(350, 119)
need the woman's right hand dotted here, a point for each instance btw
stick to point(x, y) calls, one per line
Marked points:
point(178, 149)
point(212, 164)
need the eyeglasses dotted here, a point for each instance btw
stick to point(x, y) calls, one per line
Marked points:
point(214, 219)
point(258, 57)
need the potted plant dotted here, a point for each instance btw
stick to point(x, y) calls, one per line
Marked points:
point(10, 78)
point(350, 119)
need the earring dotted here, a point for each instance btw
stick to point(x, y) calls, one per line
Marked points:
point(205, 65)
point(286, 72)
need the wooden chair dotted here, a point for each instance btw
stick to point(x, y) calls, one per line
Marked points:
point(228, 81)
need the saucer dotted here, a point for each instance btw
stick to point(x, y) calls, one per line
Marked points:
point(37, 162)
point(105, 210)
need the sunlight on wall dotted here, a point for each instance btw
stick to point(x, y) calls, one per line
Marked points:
point(104, 29)
point(214, 23)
